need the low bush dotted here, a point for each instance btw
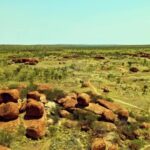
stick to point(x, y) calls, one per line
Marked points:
point(68, 139)
point(6, 138)
point(136, 144)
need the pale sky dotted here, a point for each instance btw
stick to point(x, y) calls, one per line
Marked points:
point(74, 21)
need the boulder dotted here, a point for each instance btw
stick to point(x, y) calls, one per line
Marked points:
point(64, 113)
point(96, 108)
point(134, 69)
point(109, 105)
point(37, 96)
point(67, 102)
point(11, 95)
point(72, 95)
point(145, 125)
point(83, 99)
point(98, 144)
point(44, 87)
point(9, 111)
point(34, 109)
point(108, 115)
point(36, 131)
point(122, 112)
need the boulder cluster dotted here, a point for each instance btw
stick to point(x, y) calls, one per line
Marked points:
point(108, 111)
point(108, 114)
point(28, 61)
point(33, 108)
point(35, 117)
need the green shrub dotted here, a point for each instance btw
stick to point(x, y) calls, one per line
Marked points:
point(128, 130)
point(54, 94)
point(68, 139)
point(31, 87)
point(143, 118)
point(6, 138)
point(136, 144)
point(85, 115)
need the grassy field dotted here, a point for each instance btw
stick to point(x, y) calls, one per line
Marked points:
point(68, 68)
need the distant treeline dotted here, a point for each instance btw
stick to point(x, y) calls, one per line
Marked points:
point(61, 47)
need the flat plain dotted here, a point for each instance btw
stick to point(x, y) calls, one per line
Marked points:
point(119, 74)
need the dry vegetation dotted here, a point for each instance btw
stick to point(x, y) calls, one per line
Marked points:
point(86, 97)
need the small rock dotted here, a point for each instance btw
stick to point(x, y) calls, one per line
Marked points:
point(64, 113)
point(131, 120)
point(113, 147)
point(134, 69)
point(44, 87)
point(98, 144)
point(50, 121)
point(145, 125)
point(85, 128)
point(105, 90)
point(99, 57)
point(85, 84)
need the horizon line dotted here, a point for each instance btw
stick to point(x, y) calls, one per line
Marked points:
point(42, 44)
